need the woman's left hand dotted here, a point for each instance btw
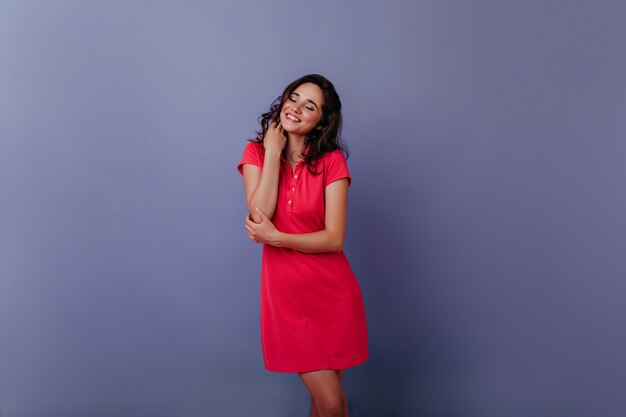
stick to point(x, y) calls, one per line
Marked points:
point(264, 232)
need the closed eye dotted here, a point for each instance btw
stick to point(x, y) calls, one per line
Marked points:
point(308, 108)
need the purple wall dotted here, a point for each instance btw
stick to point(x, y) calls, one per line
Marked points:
point(487, 221)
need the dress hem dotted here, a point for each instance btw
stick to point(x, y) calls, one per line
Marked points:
point(316, 365)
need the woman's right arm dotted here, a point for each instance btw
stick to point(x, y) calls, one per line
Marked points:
point(261, 185)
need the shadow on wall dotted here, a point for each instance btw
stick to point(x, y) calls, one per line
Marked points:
point(391, 257)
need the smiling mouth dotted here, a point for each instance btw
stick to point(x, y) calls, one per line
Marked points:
point(292, 118)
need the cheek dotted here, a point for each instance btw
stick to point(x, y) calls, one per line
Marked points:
point(313, 118)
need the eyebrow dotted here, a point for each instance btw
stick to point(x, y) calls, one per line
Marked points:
point(308, 99)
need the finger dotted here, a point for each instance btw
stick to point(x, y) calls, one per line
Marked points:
point(249, 230)
point(250, 222)
point(261, 213)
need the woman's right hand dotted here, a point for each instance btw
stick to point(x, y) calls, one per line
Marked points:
point(274, 139)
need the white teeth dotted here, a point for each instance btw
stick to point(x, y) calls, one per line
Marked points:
point(290, 117)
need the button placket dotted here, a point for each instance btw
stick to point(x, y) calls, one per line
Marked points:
point(294, 183)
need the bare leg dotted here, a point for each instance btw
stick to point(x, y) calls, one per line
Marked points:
point(327, 396)
point(314, 413)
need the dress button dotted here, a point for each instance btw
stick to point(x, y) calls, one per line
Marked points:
point(289, 202)
point(293, 188)
point(295, 176)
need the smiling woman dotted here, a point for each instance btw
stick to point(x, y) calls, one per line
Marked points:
point(300, 113)
point(312, 313)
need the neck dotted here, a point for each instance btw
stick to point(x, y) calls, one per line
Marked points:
point(295, 145)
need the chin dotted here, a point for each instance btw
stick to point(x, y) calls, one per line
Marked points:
point(287, 128)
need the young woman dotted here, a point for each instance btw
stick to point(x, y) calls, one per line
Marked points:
point(296, 183)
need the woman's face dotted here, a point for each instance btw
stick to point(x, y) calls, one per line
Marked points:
point(302, 110)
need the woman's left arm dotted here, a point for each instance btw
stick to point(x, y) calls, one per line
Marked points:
point(330, 239)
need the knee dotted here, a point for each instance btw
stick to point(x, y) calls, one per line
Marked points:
point(333, 407)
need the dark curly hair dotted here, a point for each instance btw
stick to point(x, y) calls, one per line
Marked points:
point(322, 140)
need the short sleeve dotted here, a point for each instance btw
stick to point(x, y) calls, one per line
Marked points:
point(335, 167)
point(251, 155)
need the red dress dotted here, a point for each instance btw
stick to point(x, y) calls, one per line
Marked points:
point(312, 313)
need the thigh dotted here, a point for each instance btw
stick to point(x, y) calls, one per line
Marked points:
point(323, 385)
